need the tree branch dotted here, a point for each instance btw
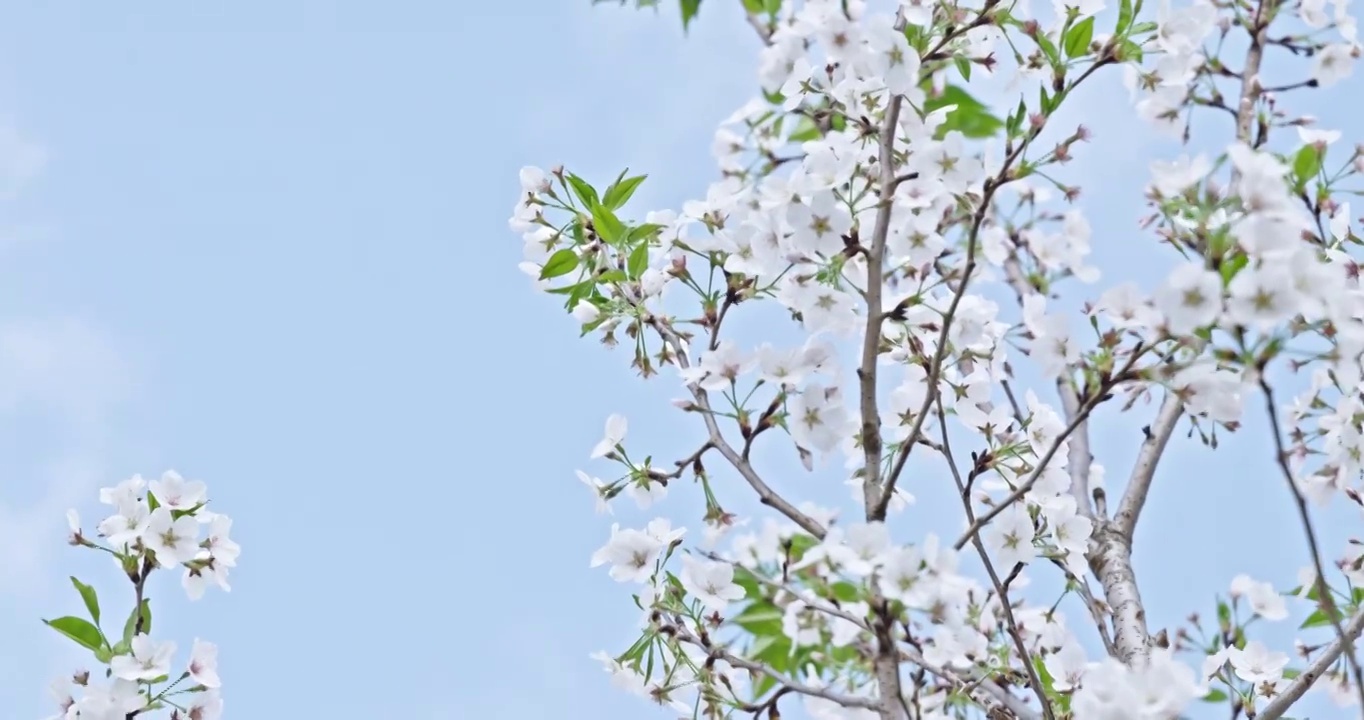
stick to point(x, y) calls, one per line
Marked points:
point(871, 336)
point(766, 494)
point(1024, 656)
point(886, 662)
point(763, 29)
point(1000, 694)
point(1097, 612)
point(1324, 596)
point(1087, 407)
point(1139, 484)
point(1079, 458)
point(1309, 677)
point(1110, 551)
point(719, 652)
point(1003, 696)
point(1110, 558)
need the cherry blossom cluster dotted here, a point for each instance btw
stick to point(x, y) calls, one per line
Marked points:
point(908, 231)
point(155, 525)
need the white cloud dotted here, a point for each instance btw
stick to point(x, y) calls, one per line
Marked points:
point(61, 366)
point(60, 380)
point(20, 161)
point(65, 378)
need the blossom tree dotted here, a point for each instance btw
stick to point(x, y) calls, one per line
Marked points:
point(921, 242)
point(163, 524)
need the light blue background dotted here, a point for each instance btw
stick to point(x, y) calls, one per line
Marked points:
point(267, 246)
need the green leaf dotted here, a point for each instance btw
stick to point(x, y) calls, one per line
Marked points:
point(583, 291)
point(1079, 36)
point(761, 643)
point(745, 579)
point(1233, 265)
point(1048, 49)
point(753, 6)
point(806, 130)
point(1316, 619)
point(800, 544)
point(609, 227)
point(78, 629)
point(647, 230)
point(562, 262)
point(152, 502)
point(1306, 164)
point(951, 95)
point(570, 289)
point(1129, 51)
point(1016, 119)
point(970, 117)
point(585, 193)
point(916, 37)
point(778, 654)
point(639, 260)
point(972, 123)
point(130, 626)
point(963, 67)
point(90, 598)
point(1215, 696)
point(761, 618)
point(846, 591)
point(1048, 682)
point(1125, 14)
point(763, 685)
point(177, 514)
point(689, 8)
point(619, 193)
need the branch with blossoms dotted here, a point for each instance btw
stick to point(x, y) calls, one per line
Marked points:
point(874, 200)
point(156, 525)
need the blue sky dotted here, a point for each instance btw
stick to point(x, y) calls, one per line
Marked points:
point(267, 246)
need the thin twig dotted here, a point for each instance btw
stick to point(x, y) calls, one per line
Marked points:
point(766, 495)
point(1079, 457)
point(1096, 612)
point(719, 652)
point(1003, 696)
point(998, 693)
point(1304, 682)
point(760, 27)
point(1024, 656)
point(871, 336)
point(1324, 596)
point(1085, 408)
